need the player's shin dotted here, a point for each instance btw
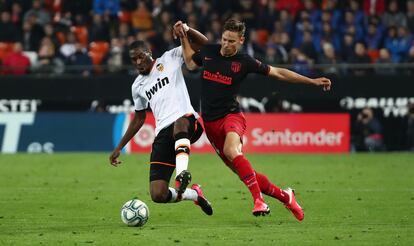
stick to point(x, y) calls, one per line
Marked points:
point(271, 189)
point(182, 152)
point(248, 176)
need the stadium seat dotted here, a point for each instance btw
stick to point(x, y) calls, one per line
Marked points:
point(81, 33)
point(5, 49)
point(97, 51)
point(262, 36)
point(373, 54)
point(61, 37)
point(32, 57)
point(124, 16)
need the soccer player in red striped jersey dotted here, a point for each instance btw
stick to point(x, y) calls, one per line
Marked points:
point(224, 68)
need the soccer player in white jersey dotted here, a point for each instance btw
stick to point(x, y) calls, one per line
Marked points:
point(160, 85)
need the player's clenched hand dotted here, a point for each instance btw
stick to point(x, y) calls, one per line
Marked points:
point(324, 82)
point(113, 158)
point(178, 30)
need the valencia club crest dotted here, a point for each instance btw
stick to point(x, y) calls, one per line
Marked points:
point(160, 67)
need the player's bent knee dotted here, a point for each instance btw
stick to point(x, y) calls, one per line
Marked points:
point(159, 197)
point(230, 153)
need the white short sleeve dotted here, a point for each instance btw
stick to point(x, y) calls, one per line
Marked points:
point(176, 53)
point(140, 103)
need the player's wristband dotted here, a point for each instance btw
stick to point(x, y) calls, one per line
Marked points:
point(186, 28)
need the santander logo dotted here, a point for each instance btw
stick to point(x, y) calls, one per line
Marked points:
point(297, 138)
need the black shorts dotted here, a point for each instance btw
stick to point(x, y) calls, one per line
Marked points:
point(163, 150)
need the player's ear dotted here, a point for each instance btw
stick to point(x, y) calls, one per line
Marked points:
point(242, 40)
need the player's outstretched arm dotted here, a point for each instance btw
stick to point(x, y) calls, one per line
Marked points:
point(196, 38)
point(180, 30)
point(292, 77)
point(133, 128)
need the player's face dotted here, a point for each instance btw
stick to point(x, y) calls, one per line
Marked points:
point(230, 43)
point(142, 60)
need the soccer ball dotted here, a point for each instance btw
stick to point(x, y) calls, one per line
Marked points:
point(134, 213)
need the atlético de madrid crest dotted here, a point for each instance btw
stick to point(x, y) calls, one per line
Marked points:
point(235, 67)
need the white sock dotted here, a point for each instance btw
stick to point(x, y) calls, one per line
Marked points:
point(189, 194)
point(181, 160)
point(174, 195)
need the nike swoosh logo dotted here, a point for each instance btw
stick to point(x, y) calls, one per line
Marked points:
point(207, 58)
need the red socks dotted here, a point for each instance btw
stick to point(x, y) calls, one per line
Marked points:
point(247, 175)
point(270, 189)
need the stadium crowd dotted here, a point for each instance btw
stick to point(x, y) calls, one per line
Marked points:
point(75, 36)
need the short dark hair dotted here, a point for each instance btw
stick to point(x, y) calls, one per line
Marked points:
point(233, 25)
point(139, 44)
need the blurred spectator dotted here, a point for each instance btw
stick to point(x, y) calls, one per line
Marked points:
point(360, 57)
point(141, 17)
point(17, 14)
point(16, 63)
point(398, 42)
point(42, 16)
point(268, 16)
point(289, 23)
point(293, 6)
point(303, 26)
point(348, 46)
point(308, 46)
point(275, 54)
point(409, 58)
point(215, 30)
point(286, 22)
point(313, 11)
point(82, 7)
point(410, 128)
point(405, 39)
point(385, 58)
point(32, 34)
point(63, 23)
point(327, 35)
point(355, 8)
point(80, 61)
point(329, 59)
point(9, 31)
point(368, 132)
point(98, 30)
point(410, 15)
point(350, 24)
point(68, 48)
point(49, 31)
point(301, 63)
point(393, 16)
point(204, 17)
point(374, 7)
point(336, 14)
point(48, 62)
point(373, 38)
point(117, 57)
point(253, 47)
point(106, 7)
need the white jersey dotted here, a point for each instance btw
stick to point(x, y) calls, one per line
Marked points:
point(164, 90)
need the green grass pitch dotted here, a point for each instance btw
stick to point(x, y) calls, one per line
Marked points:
point(75, 199)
